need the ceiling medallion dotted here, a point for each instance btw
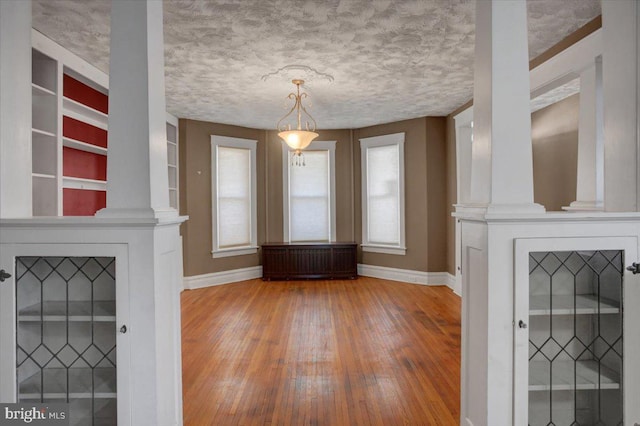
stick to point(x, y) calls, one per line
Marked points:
point(300, 72)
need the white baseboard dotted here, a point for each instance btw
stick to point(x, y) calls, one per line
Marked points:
point(223, 277)
point(453, 285)
point(406, 275)
point(393, 274)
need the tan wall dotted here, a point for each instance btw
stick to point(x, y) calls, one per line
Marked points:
point(344, 184)
point(195, 195)
point(425, 184)
point(195, 191)
point(554, 132)
point(425, 195)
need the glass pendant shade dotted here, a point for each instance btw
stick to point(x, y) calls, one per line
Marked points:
point(297, 139)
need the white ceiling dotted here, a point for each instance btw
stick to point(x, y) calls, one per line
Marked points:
point(390, 59)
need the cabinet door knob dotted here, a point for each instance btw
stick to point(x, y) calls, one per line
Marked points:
point(522, 324)
point(4, 275)
point(123, 329)
point(634, 268)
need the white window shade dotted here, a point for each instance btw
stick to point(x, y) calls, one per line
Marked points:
point(384, 195)
point(382, 161)
point(234, 197)
point(309, 202)
point(309, 194)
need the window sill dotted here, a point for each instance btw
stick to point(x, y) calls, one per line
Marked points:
point(240, 251)
point(374, 248)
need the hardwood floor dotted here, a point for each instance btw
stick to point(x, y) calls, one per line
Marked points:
point(363, 352)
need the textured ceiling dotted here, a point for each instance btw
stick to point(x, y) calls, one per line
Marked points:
point(390, 59)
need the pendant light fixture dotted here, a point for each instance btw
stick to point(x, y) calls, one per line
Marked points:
point(297, 139)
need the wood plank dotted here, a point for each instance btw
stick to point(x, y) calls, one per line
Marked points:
point(352, 352)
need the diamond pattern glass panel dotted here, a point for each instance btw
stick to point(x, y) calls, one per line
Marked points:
point(66, 341)
point(575, 338)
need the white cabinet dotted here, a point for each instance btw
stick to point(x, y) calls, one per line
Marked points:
point(576, 340)
point(63, 329)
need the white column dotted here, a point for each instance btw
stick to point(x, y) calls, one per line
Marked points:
point(590, 180)
point(502, 171)
point(137, 192)
point(15, 109)
point(137, 177)
point(621, 84)
point(501, 187)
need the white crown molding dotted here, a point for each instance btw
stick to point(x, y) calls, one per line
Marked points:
point(223, 277)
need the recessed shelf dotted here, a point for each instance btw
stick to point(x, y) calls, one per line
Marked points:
point(84, 113)
point(83, 146)
point(81, 382)
point(104, 311)
point(43, 133)
point(80, 183)
point(587, 376)
point(585, 304)
point(42, 176)
point(37, 90)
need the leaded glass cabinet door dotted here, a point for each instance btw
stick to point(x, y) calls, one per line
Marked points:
point(576, 339)
point(62, 328)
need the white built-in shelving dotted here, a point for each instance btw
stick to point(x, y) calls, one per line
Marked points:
point(84, 113)
point(44, 130)
point(66, 334)
point(99, 383)
point(100, 310)
point(571, 375)
point(83, 146)
point(172, 160)
point(54, 149)
point(575, 337)
point(580, 304)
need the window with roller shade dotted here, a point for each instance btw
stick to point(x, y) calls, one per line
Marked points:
point(233, 186)
point(382, 163)
point(309, 194)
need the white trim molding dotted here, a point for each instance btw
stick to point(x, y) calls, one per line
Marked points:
point(222, 277)
point(406, 275)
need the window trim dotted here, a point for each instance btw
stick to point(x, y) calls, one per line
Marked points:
point(252, 247)
point(373, 142)
point(286, 164)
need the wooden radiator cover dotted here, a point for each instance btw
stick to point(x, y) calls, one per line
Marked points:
point(282, 261)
